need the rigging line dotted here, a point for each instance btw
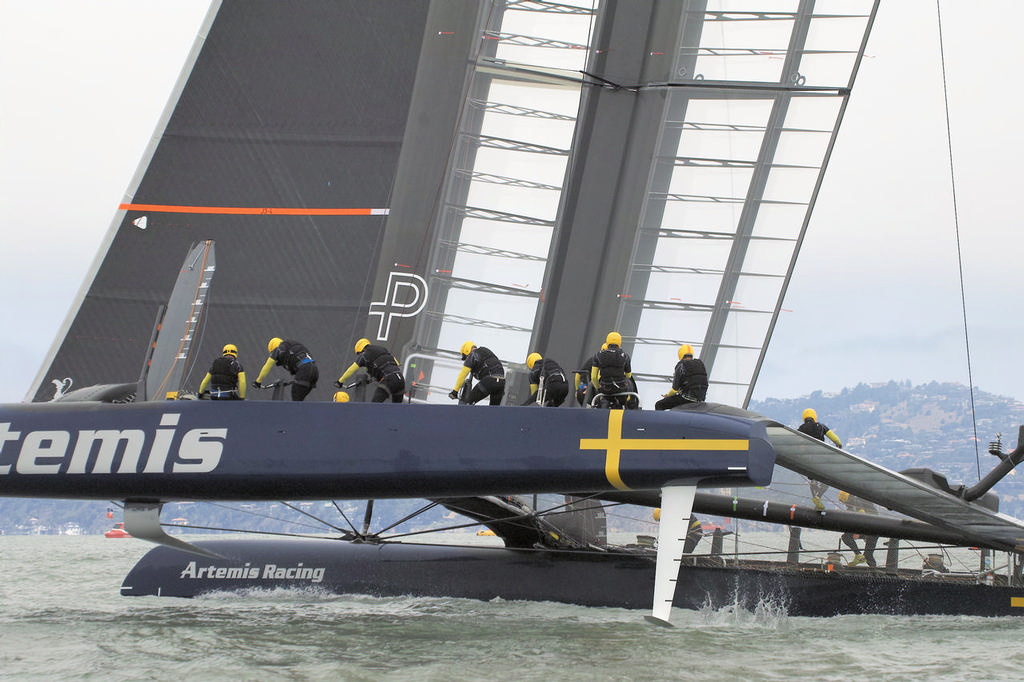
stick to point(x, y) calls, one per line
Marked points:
point(342, 512)
point(255, 513)
point(250, 532)
point(315, 518)
point(421, 510)
point(959, 251)
point(507, 519)
point(433, 530)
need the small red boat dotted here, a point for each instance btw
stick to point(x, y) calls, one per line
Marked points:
point(117, 531)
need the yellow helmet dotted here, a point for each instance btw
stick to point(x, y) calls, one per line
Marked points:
point(810, 414)
point(341, 397)
point(843, 496)
point(532, 359)
point(272, 344)
point(361, 344)
point(613, 339)
point(229, 349)
point(684, 350)
point(467, 347)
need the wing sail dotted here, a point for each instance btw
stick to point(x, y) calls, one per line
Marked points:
point(174, 350)
point(899, 492)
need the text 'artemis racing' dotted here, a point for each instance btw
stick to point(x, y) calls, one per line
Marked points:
point(72, 452)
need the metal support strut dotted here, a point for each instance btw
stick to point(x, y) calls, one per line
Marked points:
point(142, 520)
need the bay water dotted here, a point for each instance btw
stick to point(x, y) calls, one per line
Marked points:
point(62, 618)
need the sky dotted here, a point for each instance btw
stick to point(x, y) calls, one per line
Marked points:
point(876, 293)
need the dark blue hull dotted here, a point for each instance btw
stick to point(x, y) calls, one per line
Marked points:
point(249, 450)
point(610, 579)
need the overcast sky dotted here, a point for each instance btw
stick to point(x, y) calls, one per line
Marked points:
point(877, 291)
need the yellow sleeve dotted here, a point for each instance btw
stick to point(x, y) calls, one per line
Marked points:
point(205, 383)
point(349, 372)
point(671, 391)
point(595, 374)
point(462, 378)
point(834, 438)
point(576, 382)
point(533, 388)
point(241, 385)
point(267, 366)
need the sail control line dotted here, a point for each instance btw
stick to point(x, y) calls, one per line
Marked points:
point(676, 507)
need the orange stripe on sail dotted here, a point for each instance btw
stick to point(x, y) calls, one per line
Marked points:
point(251, 210)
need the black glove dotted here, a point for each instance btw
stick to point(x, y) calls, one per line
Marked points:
point(454, 395)
point(257, 384)
point(338, 384)
point(205, 395)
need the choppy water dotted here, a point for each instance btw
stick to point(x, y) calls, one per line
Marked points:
point(62, 618)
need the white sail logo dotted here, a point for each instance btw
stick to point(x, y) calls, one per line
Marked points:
point(405, 297)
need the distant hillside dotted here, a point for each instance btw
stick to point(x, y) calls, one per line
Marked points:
point(901, 426)
point(896, 425)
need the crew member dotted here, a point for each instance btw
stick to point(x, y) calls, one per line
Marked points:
point(611, 373)
point(850, 540)
point(689, 381)
point(486, 369)
point(294, 357)
point(226, 378)
point(382, 366)
point(581, 378)
point(815, 429)
point(551, 374)
point(693, 535)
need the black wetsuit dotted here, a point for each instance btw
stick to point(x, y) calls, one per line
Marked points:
point(815, 429)
point(690, 380)
point(556, 386)
point(489, 373)
point(224, 378)
point(870, 541)
point(380, 364)
point(294, 357)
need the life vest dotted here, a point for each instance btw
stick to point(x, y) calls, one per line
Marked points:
point(378, 361)
point(550, 370)
point(291, 354)
point(224, 373)
point(813, 429)
point(483, 363)
point(691, 374)
point(612, 365)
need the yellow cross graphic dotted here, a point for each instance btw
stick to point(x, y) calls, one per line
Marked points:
point(1016, 601)
point(614, 444)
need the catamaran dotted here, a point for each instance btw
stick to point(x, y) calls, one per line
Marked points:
point(526, 173)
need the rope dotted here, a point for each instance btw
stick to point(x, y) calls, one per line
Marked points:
point(959, 253)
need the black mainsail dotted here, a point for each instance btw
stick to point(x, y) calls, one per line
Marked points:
point(281, 146)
